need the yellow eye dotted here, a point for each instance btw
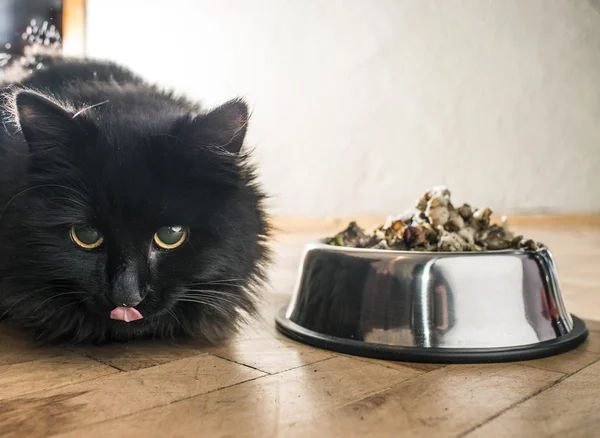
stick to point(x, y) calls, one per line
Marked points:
point(170, 237)
point(86, 236)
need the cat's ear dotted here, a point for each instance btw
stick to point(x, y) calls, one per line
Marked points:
point(223, 127)
point(42, 121)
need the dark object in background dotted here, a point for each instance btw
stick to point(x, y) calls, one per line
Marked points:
point(29, 28)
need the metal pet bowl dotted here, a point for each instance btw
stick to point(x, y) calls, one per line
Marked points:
point(431, 307)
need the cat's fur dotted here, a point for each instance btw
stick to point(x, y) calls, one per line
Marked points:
point(91, 142)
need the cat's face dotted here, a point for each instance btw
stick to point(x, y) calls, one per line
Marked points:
point(161, 217)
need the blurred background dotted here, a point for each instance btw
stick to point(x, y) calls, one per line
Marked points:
point(360, 106)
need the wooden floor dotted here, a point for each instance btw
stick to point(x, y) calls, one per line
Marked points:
point(264, 385)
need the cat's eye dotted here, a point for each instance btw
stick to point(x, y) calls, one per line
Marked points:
point(86, 236)
point(170, 237)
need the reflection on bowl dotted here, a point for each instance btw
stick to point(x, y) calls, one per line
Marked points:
point(442, 307)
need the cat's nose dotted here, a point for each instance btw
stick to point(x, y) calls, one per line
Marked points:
point(126, 297)
point(130, 303)
point(126, 290)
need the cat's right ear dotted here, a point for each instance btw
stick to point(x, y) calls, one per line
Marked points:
point(43, 122)
point(224, 127)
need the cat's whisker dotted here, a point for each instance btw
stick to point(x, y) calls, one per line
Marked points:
point(206, 303)
point(210, 292)
point(170, 312)
point(87, 108)
point(166, 135)
point(33, 188)
point(236, 233)
point(216, 302)
point(236, 286)
point(56, 296)
point(29, 295)
point(66, 305)
point(197, 300)
point(83, 185)
point(217, 285)
point(205, 299)
point(224, 281)
point(214, 295)
point(72, 200)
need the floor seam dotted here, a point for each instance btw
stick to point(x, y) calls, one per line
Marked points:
point(270, 373)
point(379, 391)
point(31, 360)
point(416, 370)
point(240, 363)
point(84, 354)
point(564, 373)
point(523, 400)
point(159, 406)
point(304, 365)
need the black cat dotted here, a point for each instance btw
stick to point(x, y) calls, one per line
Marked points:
point(125, 212)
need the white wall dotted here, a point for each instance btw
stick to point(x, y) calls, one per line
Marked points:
point(379, 100)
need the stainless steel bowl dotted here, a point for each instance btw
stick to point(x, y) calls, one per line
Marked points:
point(431, 307)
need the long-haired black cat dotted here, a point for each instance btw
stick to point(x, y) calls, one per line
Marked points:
point(125, 212)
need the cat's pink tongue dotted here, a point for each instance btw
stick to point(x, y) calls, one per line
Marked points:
point(126, 314)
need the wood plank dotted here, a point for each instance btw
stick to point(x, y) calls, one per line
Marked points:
point(258, 408)
point(136, 355)
point(46, 374)
point(51, 412)
point(567, 363)
point(415, 366)
point(570, 408)
point(272, 355)
point(16, 347)
point(259, 345)
point(442, 403)
point(592, 344)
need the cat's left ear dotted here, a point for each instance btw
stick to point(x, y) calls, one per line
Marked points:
point(43, 122)
point(223, 127)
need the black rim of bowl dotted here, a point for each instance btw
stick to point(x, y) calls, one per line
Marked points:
point(434, 355)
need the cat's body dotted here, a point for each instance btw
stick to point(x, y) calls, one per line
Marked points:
point(90, 146)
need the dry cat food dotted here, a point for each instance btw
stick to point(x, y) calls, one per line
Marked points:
point(436, 225)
